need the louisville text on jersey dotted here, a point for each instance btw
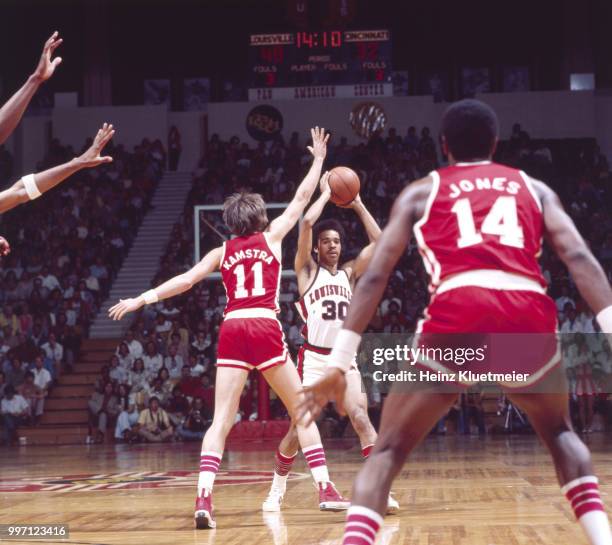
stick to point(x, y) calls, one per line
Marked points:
point(326, 291)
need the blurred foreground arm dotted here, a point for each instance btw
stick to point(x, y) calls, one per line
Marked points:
point(12, 112)
point(34, 185)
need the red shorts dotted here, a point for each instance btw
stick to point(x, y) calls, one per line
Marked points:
point(251, 343)
point(515, 330)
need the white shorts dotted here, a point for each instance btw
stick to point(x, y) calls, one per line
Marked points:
point(312, 362)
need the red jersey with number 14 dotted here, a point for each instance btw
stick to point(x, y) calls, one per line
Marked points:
point(481, 216)
point(251, 273)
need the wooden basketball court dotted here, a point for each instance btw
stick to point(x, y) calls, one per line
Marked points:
point(455, 491)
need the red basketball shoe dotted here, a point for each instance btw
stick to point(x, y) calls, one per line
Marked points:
point(330, 499)
point(204, 511)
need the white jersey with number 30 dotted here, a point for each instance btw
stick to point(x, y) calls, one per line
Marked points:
point(324, 307)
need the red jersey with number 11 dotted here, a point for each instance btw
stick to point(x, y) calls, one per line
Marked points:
point(251, 273)
point(481, 216)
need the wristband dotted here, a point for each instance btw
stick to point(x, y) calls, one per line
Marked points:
point(344, 350)
point(150, 297)
point(29, 183)
point(604, 318)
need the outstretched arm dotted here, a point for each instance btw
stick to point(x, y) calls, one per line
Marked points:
point(34, 185)
point(303, 257)
point(388, 249)
point(179, 284)
point(566, 241)
point(285, 222)
point(360, 263)
point(12, 111)
point(372, 229)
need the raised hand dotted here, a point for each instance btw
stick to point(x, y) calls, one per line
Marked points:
point(355, 203)
point(331, 386)
point(92, 157)
point(5, 247)
point(46, 66)
point(319, 143)
point(324, 183)
point(124, 306)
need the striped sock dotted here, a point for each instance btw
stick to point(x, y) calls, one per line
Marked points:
point(209, 465)
point(315, 458)
point(283, 463)
point(362, 525)
point(282, 467)
point(365, 451)
point(583, 495)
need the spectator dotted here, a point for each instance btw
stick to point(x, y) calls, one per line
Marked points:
point(117, 373)
point(167, 384)
point(152, 360)
point(33, 395)
point(99, 270)
point(16, 373)
point(173, 362)
point(139, 382)
point(15, 411)
point(564, 299)
point(571, 324)
point(125, 357)
point(134, 346)
point(157, 390)
point(390, 297)
point(122, 391)
point(188, 385)
point(103, 409)
point(174, 148)
point(196, 424)
point(43, 380)
point(55, 354)
point(169, 309)
point(162, 326)
point(9, 318)
point(126, 428)
point(195, 368)
point(154, 424)
point(177, 407)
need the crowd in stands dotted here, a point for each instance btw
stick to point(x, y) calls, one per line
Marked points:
point(166, 361)
point(66, 250)
point(158, 384)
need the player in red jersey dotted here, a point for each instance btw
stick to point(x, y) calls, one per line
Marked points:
point(478, 226)
point(251, 336)
point(325, 288)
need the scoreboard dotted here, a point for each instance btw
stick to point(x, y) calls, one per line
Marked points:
point(321, 58)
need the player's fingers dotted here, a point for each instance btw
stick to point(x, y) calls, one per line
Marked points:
point(56, 43)
point(108, 134)
point(56, 62)
point(326, 138)
point(49, 41)
point(310, 149)
point(106, 159)
point(312, 134)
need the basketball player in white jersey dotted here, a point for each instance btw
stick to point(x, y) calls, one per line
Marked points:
point(325, 293)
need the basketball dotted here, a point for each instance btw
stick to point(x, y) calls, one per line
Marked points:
point(344, 184)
